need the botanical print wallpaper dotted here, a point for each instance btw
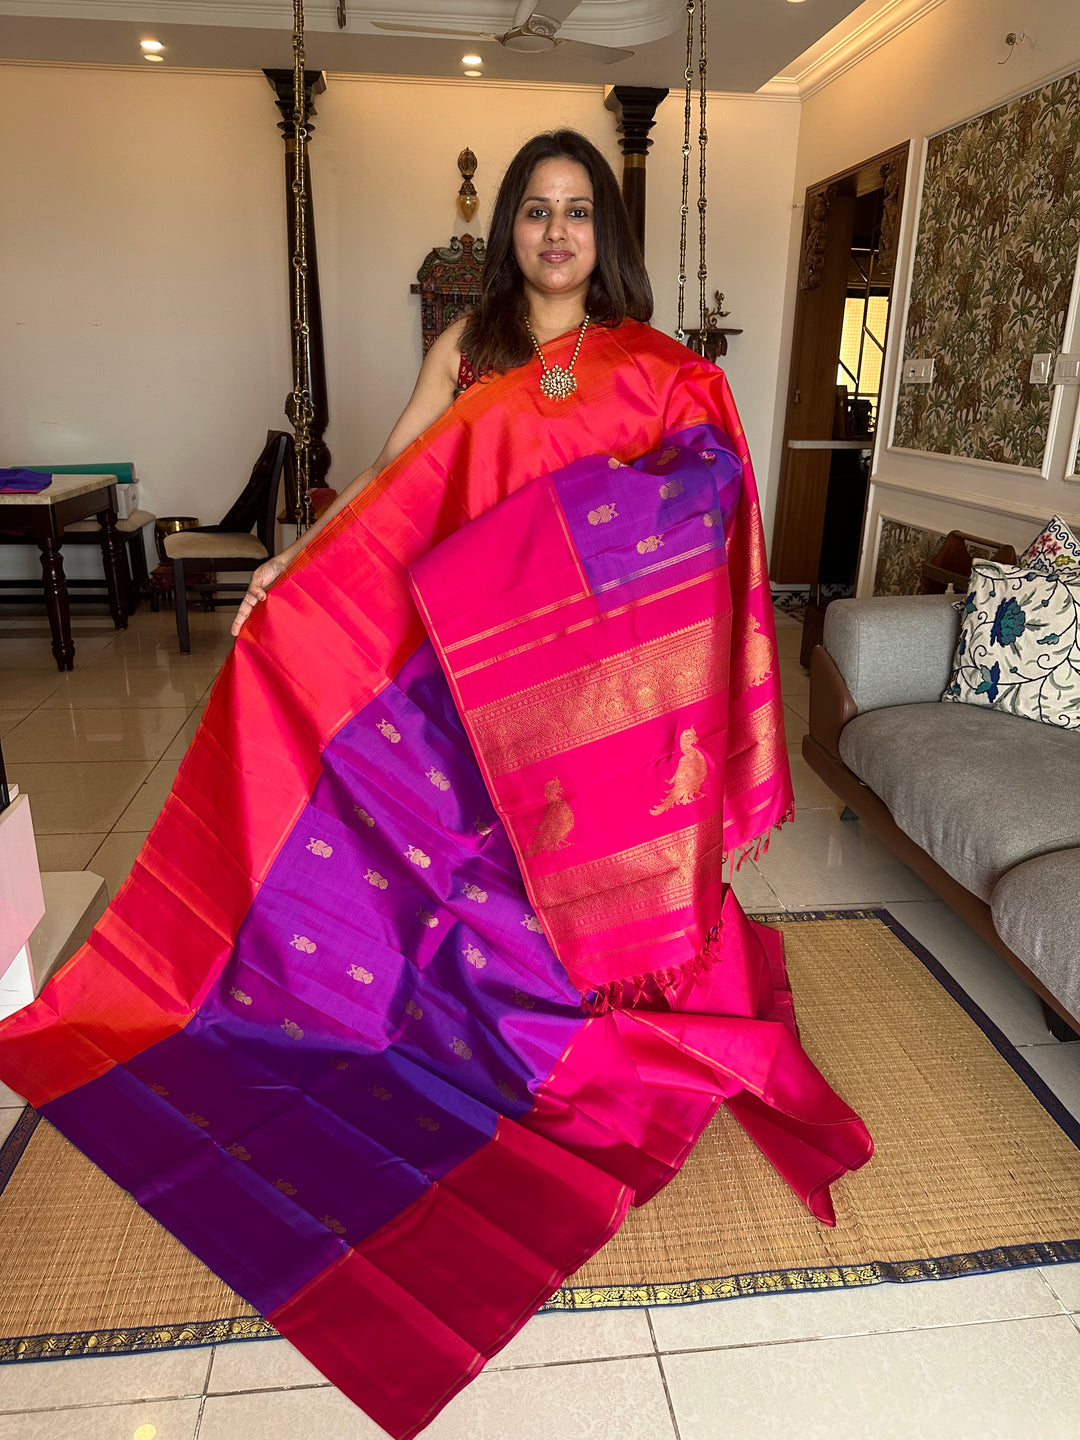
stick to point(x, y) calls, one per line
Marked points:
point(994, 264)
point(902, 550)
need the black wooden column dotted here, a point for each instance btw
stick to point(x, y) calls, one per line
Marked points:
point(634, 107)
point(281, 82)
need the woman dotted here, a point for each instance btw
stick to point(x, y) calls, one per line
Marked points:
point(560, 249)
point(428, 969)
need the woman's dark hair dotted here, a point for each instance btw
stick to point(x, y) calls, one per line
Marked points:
point(495, 337)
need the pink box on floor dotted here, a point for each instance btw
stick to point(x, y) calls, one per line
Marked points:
point(22, 903)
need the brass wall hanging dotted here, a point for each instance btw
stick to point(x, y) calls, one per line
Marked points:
point(468, 202)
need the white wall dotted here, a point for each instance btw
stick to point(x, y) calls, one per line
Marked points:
point(751, 167)
point(145, 312)
point(939, 71)
point(144, 301)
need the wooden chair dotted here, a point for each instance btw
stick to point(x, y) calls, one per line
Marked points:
point(951, 565)
point(230, 545)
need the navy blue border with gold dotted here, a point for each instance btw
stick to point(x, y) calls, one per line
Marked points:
point(687, 1292)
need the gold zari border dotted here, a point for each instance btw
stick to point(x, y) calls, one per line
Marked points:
point(598, 700)
point(652, 878)
point(825, 1277)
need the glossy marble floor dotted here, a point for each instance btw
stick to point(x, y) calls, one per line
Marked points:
point(995, 1356)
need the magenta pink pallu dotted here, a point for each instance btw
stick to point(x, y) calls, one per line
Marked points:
point(430, 968)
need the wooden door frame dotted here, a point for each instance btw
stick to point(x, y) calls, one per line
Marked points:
point(804, 475)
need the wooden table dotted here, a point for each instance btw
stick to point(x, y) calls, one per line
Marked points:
point(44, 515)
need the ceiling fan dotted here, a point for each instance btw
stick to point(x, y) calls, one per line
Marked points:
point(535, 28)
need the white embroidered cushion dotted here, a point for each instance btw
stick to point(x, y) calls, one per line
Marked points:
point(1019, 646)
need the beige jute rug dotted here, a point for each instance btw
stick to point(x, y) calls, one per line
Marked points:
point(977, 1168)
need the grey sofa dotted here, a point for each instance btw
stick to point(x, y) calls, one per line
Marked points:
point(984, 806)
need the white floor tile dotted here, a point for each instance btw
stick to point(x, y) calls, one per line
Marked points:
point(992, 984)
point(9, 1100)
point(10, 718)
point(811, 792)
point(322, 1414)
point(1009, 1380)
point(66, 852)
point(103, 1379)
point(821, 860)
point(609, 1400)
point(752, 890)
point(794, 680)
point(148, 1420)
point(1059, 1066)
point(868, 1310)
point(178, 748)
point(796, 703)
point(115, 856)
point(260, 1365)
point(789, 640)
point(8, 1117)
point(76, 797)
point(1064, 1281)
point(795, 727)
point(553, 1339)
point(95, 735)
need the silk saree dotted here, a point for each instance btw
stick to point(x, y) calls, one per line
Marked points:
point(430, 967)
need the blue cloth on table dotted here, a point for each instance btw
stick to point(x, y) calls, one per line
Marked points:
point(23, 482)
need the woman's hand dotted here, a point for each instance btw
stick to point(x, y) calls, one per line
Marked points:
point(268, 573)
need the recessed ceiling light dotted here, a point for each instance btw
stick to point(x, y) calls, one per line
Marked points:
point(155, 59)
point(472, 60)
point(474, 72)
point(151, 45)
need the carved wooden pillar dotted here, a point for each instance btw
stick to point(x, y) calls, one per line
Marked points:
point(634, 107)
point(281, 82)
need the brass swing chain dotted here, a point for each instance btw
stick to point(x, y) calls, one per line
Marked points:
point(694, 8)
point(301, 406)
point(688, 73)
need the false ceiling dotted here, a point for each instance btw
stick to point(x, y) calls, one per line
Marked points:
point(749, 41)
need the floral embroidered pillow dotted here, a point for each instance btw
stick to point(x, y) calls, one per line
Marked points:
point(1055, 546)
point(1019, 647)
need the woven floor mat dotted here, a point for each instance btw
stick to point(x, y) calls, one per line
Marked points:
point(977, 1167)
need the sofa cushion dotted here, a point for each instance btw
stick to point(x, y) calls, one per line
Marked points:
point(1054, 546)
point(1019, 646)
point(892, 649)
point(978, 790)
point(1036, 910)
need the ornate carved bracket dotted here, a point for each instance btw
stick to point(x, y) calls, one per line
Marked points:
point(893, 170)
point(816, 237)
point(281, 82)
point(448, 282)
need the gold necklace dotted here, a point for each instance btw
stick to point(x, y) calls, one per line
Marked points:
point(557, 383)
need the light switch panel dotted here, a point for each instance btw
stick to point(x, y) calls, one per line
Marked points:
point(1040, 369)
point(918, 372)
point(1067, 370)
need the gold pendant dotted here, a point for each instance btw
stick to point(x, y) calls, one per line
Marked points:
point(557, 383)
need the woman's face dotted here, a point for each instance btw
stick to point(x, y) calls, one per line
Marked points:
point(554, 242)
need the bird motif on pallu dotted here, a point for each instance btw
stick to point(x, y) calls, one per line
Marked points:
point(557, 821)
point(689, 774)
point(756, 656)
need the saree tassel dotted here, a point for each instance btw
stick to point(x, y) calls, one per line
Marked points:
point(759, 844)
point(645, 990)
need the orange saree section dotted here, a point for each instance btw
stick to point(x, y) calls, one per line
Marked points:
point(336, 628)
